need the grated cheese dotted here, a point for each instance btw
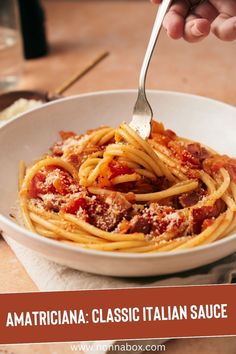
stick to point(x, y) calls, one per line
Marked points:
point(20, 106)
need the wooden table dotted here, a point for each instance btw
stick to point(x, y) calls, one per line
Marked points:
point(77, 32)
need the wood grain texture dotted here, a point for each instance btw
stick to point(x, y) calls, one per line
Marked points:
point(79, 30)
point(13, 277)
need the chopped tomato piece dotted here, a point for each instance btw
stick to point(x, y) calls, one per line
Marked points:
point(160, 138)
point(37, 184)
point(74, 205)
point(66, 135)
point(206, 212)
point(61, 184)
point(103, 180)
point(207, 223)
point(160, 135)
point(157, 127)
point(118, 170)
point(170, 134)
point(215, 163)
point(50, 180)
point(123, 226)
point(185, 156)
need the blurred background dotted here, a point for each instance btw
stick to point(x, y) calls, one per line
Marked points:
point(63, 35)
point(43, 43)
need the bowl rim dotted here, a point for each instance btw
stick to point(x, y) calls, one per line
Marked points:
point(3, 124)
point(115, 254)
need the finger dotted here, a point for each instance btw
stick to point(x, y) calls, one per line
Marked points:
point(206, 10)
point(224, 27)
point(156, 1)
point(175, 19)
point(198, 23)
point(196, 29)
point(225, 6)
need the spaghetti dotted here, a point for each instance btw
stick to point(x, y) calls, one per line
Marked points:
point(110, 190)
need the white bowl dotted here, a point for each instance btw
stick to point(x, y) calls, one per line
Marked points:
point(30, 135)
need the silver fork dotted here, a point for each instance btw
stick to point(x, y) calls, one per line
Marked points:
point(142, 114)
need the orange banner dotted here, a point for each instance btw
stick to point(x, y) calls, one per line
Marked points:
point(167, 312)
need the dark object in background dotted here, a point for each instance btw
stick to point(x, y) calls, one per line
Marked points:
point(33, 28)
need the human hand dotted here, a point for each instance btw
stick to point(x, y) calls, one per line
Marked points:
point(194, 23)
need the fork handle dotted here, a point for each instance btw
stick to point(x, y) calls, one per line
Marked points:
point(162, 10)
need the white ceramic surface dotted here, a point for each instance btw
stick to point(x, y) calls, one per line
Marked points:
point(30, 135)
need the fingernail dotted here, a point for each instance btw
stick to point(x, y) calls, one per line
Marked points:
point(196, 31)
